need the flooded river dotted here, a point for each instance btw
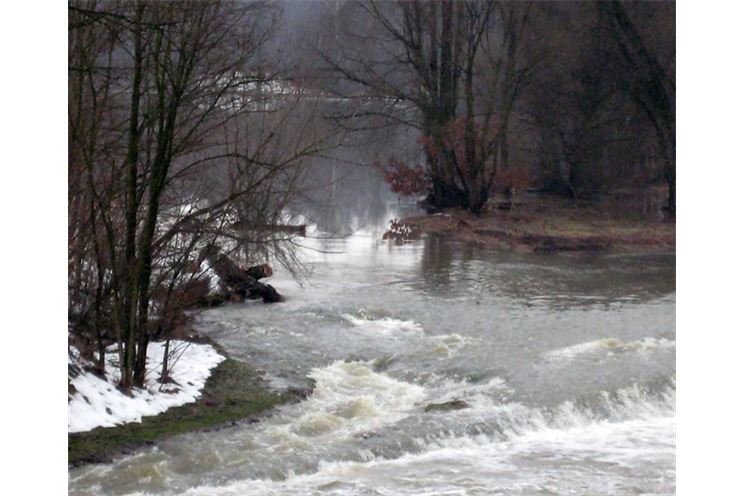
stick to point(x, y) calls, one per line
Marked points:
point(566, 365)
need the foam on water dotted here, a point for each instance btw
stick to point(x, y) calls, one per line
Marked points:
point(385, 326)
point(608, 346)
point(477, 395)
point(448, 345)
point(606, 449)
point(350, 397)
point(602, 443)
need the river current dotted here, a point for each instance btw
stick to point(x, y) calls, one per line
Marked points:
point(566, 365)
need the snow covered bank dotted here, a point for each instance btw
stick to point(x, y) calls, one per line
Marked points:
point(98, 402)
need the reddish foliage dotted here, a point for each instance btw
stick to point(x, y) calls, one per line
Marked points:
point(405, 180)
point(451, 146)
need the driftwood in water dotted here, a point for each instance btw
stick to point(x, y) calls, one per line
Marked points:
point(400, 232)
point(238, 281)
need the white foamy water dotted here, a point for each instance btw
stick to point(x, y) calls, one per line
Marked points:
point(351, 398)
point(449, 344)
point(534, 452)
point(470, 466)
point(482, 395)
point(386, 326)
point(609, 346)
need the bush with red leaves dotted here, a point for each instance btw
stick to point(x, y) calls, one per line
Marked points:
point(405, 180)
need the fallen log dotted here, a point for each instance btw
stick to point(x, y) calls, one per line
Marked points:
point(236, 280)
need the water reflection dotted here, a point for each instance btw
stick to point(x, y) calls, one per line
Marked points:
point(436, 263)
point(461, 269)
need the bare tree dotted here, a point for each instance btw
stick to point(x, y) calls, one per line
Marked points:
point(590, 136)
point(643, 75)
point(177, 130)
point(457, 65)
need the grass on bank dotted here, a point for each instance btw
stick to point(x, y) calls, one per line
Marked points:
point(233, 392)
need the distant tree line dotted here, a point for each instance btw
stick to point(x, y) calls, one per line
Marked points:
point(574, 97)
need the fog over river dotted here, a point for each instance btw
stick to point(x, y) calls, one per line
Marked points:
point(566, 363)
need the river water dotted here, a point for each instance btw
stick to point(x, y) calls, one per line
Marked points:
point(566, 363)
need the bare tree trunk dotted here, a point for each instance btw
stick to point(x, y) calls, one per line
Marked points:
point(649, 85)
point(178, 62)
point(131, 207)
point(164, 369)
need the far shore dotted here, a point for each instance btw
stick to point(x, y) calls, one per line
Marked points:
point(548, 224)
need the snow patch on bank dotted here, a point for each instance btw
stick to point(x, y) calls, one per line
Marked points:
point(98, 403)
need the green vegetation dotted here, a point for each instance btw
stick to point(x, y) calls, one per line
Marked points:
point(233, 392)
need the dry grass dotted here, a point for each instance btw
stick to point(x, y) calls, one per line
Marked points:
point(551, 224)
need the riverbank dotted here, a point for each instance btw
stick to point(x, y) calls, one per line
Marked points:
point(234, 393)
point(549, 224)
